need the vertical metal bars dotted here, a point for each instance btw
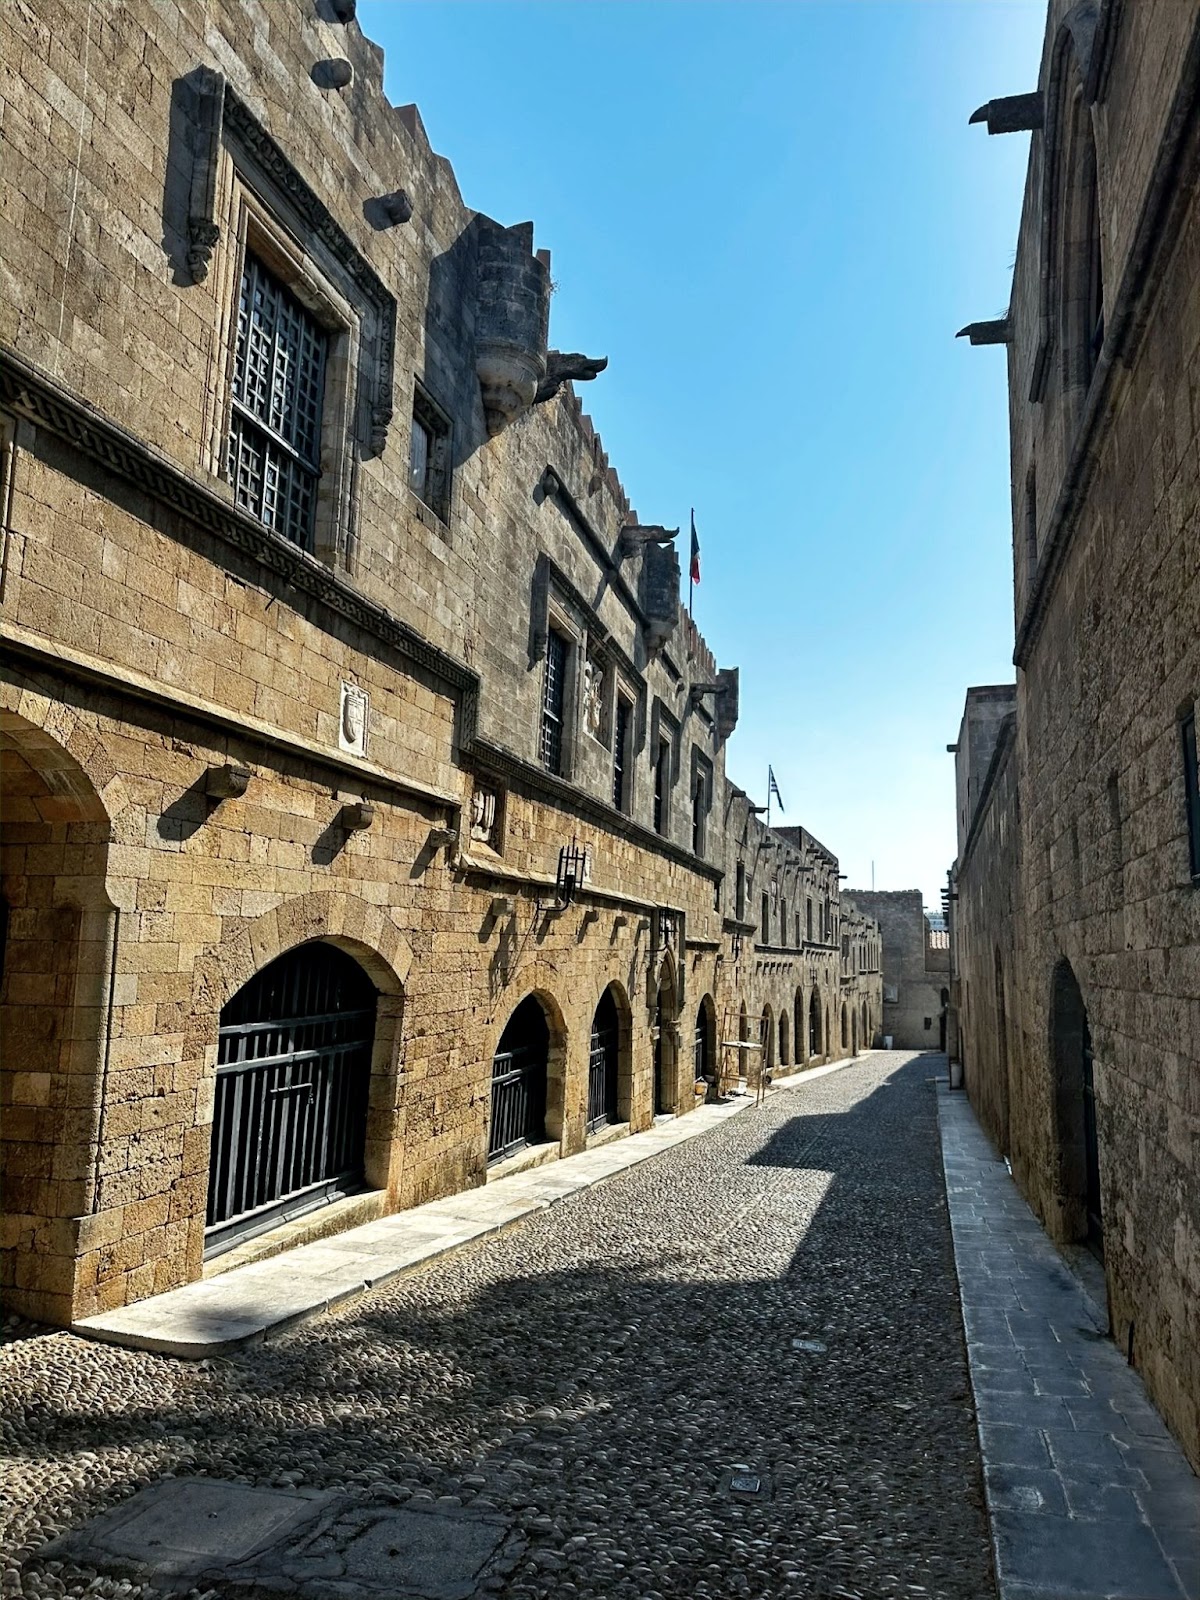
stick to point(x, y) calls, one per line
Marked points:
point(293, 1072)
point(553, 697)
point(603, 1063)
point(278, 394)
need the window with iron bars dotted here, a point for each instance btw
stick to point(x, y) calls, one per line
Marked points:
point(554, 702)
point(662, 785)
point(278, 396)
point(620, 753)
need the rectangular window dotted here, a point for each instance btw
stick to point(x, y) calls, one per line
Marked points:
point(783, 924)
point(278, 395)
point(700, 800)
point(429, 455)
point(620, 753)
point(808, 919)
point(1191, 789)
point(764, 932)
point(554, 701)
point(740, 893)
point(662, 786)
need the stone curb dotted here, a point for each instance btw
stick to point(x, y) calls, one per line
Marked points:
point(267, 1298)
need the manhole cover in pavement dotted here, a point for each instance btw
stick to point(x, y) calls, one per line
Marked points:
point(183, 1525)
point(435, 1555)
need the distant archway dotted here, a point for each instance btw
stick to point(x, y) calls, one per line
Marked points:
point(814, 1025)
point(666, 1006)
point(784, 1052)
point(704, 1058)
point(845, 1027)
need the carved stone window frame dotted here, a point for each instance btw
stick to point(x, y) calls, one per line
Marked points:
point(560, 620)
point(253, 230)
point(244, 193)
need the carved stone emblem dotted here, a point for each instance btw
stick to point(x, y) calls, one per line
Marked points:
point(352, 725)
point(593, 697)
point(483, 815)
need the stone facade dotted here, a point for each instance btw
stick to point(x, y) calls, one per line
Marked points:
point(915, 968)
point(1077, 923)
point(394, 669)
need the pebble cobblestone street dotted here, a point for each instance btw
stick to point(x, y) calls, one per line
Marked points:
point(774, 1304)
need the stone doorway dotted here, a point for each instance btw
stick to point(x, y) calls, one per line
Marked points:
point(1075, 1112)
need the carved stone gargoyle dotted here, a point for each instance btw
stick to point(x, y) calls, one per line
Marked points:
point(635, 535)
point(561, 365)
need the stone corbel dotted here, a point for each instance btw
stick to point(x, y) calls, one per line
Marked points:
point(208, 114)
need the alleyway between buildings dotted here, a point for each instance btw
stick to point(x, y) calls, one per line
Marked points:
point(735, 1369)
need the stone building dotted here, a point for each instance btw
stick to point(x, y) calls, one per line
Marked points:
point(1076, 921)
point(915, 965)
point(364, 828)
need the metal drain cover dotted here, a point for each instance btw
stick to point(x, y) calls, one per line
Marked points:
point(812, 1347)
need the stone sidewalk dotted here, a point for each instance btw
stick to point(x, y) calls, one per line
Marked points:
point(253, 1302)
point(1088, 1495)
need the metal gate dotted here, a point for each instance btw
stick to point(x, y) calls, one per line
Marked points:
point(700, 1061)
point(518, 1116)
point(1091, 1146)
point(293, 1075)
point(602, 1064)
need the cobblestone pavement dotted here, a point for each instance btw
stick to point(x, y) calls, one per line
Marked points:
point(594, 1374)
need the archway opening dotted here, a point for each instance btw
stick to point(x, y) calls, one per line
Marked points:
point(798, 1029)
point(1075, 1110)
point(865, 1035)
point(665, 1008)
point(292, 1093)
point(56, 953)
point(845, 1028)
point(766, 1039)
point(519, 1077)
point(704, 1061)
point(814, 1025)
point(785, 1055)
point(604, 1064)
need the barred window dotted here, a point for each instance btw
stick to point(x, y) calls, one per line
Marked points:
point(662, 784)
point(278, 391)
point(554, 701)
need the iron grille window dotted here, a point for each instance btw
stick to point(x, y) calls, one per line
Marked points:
point(429, 463)
point(1191, 789)
point(662, 773)
point(620, 749)
point(278, 393)
point(553, 701)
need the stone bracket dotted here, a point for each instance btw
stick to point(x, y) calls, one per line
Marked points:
point(1012, 113)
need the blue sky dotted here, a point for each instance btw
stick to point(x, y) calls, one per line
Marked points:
point(772, 218)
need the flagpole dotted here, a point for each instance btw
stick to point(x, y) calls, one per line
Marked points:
point(768, 794)
point(691, 563)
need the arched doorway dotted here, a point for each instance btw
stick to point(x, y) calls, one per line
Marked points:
point(293, 1080)
point(519, 1073)
point(1075, 1110)
point(705, 1048)
point(665, 1008)
point(766, 1039)
point(604, 1064)
point(785, 1055)
point(57, 958)
point(865, 1035)
point(845, 1027)
point(798, 1026)
point(853, 1032)
point(814, 1025)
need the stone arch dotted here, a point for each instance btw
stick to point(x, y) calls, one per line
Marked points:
point(785, 1055)
point(58, 932)
point(1076, 1133)
point(616, 996)
point(845, 1027)
point(1001, 1086)
point(705, 1062)
point(766, 1039)
point(666, 1038)
point(549, 1070)
point(816, 1035)
point(56, 739)
point(379, 945)
point(799, 1016)
point(865, 1035)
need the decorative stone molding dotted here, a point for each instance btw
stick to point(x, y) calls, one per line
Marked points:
point(220, 116)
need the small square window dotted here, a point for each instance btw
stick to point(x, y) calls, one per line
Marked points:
point(429, 464)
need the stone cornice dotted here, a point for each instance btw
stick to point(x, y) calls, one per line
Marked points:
point(40, 399)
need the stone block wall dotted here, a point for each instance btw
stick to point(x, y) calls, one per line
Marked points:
point(219, 745)
point(1079, 874)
